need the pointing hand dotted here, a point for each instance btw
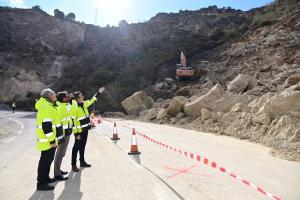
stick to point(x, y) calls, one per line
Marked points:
point(101, 89)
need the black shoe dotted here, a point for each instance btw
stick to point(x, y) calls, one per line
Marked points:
point(61, 178)
point(75, 168)
point(63, 173)
point(44, 187)
point(84, 164)
point(51, 180)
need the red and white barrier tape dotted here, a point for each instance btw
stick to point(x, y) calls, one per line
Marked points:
point(205, 160)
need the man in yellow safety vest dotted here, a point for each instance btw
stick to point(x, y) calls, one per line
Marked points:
point(83, 124)
point(64, 114)
point(48, 126)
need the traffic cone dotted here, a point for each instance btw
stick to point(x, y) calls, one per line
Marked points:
point(115, 133)
point(134, 146)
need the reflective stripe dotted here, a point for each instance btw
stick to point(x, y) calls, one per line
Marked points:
point(59, 125)
point(47, 120)
point(65, 126)
point(49, 134)
point(68, 107)
point(73, 117)
point(82, 118)
point(43, 140)
point(60, 137)
point(74, 127)
point(84, 125)
point(66, 119)
point(78, 126)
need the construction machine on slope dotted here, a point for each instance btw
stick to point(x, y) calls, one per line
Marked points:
point(182, 70)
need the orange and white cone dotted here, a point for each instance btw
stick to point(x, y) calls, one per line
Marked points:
point(134, 146)
point(115, 132)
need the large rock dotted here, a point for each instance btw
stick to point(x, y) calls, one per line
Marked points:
point(162, 113)
point(176, 105)
point(239, 84)
point(287, 128)
point(257, 103)
point(205, 114)
point(225, 103)
point(137, 102)
point(282, 104)
point(148, 114)
point(194, 90)
point(193, 109)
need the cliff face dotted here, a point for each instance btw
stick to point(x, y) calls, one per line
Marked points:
point(32, 51)
point(38, 50)
point(270, 53)
point(249, 89)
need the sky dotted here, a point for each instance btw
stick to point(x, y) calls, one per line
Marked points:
point(104, 12)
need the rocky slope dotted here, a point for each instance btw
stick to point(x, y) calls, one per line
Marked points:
point(38, 50)
point(250, 90)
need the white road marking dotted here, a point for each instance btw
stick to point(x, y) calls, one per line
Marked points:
point(123, 150)
point(19, 131)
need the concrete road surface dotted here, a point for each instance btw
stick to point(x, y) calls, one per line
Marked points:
point(158, 173)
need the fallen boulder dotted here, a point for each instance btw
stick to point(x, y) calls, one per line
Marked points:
point(137, 102)
point(162, 113)
point(148, 114)
point(282, 104)
point(226, 102)
point(193, 109)
point(239, 84)
point(176, 105)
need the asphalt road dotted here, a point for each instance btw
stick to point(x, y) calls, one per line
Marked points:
point(157, 173)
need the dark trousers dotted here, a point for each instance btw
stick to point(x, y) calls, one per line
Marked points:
point(79, 145)
point(44, 165)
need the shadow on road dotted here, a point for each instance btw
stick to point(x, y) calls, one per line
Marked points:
point(38, 195)
point(71, 190)
point(72, 187)
point(136, 158)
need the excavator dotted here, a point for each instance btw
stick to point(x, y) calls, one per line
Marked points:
point(184, 72)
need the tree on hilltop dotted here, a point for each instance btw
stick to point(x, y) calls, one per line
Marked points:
point(36, 8)
point(59, 14)
point(71, 16)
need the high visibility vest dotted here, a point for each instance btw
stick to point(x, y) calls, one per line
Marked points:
point(83, 121)
point(64, 114)
point(48, 124)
